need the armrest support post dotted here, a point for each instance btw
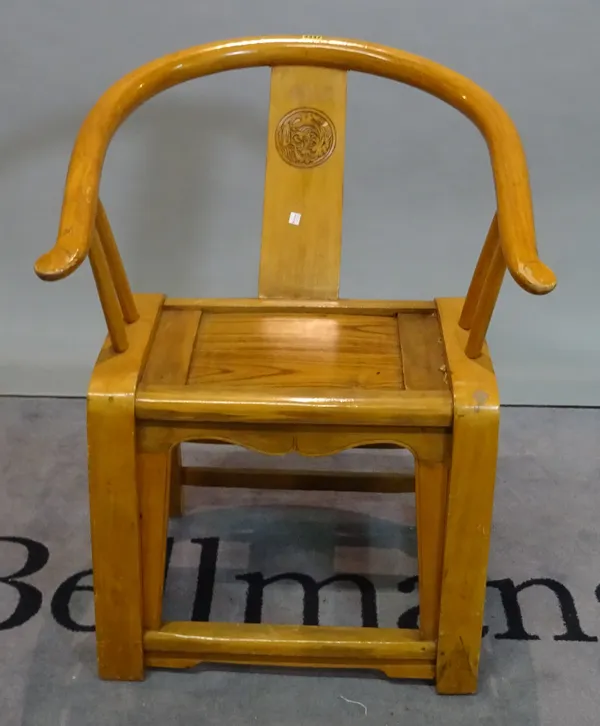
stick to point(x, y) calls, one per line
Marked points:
point(108, 296)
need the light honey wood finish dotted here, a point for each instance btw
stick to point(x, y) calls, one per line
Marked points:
point(485, 304)
point(492, 242)
point(350, 307)
point(153, 479)
point(176, 333)
point(108, 296)
point(343, 406)
point(115, 265)
point(425, 443)
point(381, 648)
point(296, 370)
point(302, 219)
point(515, 216)
point(177, 479)
point(296, 367)
point(250, 351)
point(114, 503)
point(431, 487)
point(470, 500)
point(422, 347)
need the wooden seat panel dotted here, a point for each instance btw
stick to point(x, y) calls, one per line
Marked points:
point(317, 364)
point(253, 350)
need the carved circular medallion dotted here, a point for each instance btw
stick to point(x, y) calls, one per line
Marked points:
point(305, 137)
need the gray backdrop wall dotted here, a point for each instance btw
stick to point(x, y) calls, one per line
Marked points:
point(183, 179)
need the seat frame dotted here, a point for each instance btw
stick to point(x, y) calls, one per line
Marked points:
point(135, 469)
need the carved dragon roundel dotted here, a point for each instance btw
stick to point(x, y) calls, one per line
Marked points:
point(305, 137)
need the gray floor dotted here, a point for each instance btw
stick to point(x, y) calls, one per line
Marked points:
point(546, 530)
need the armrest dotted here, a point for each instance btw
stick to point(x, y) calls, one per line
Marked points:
point(80, 199)
point(515, 216)
point(63, 259)
point(514, 207)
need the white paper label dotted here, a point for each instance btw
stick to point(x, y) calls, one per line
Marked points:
point(295, 218)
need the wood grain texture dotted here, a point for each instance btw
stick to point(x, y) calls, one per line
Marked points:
point(422, 348)
point(486, 303)
point(115, 265)
point(287, 350)
point(302, 217)
point(174, 341)
point(426, 443)
point(515, 215)
point(341, 406)
point(114, 511)
point(153, 472)
point(351, 307)
point(492, 242)
point(211, 640)
point(259, 367)
point(305, 373)
point(108, 296)
point(431, 489)
point(470, 502)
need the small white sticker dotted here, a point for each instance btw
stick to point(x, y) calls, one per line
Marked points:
point(295, 218)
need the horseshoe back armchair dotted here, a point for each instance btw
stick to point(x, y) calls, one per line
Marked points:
point(297, 368)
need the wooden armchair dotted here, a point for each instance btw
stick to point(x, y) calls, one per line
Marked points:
point(296, 369)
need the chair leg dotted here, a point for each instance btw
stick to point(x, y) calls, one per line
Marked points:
point(468, 525)
point(176, 501)
point(153, 487)
point(431, 491)
point(115, 536)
